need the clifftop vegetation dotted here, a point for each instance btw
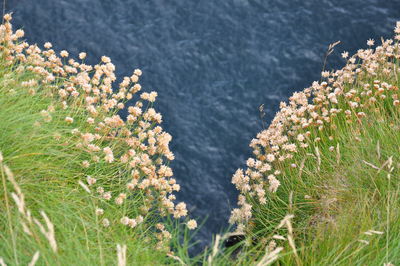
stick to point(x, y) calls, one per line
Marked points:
point(83, 185)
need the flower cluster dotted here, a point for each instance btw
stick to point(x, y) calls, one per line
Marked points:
point(138, 147)
point(350, 93)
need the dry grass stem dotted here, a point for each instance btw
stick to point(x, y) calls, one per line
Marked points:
point(121, 255)
point(34, 259)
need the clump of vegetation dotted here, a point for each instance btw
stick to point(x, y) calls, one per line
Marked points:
point(329, 162)
point(82, 185)
point(79, 183)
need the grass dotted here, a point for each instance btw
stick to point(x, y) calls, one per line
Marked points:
point(343, 187)
point(337, 204)
point(46, 155)
point(47, 166)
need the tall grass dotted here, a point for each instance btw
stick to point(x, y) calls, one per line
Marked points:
point(330, 159)
point(80, 186)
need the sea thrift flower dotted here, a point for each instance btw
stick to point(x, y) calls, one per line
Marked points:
point(90, 180)
point(48, 45)
point(82, 56)
point(20, 33)
point(64, 53)
point(69, 120)
point(107, 195)
point(192, 224)
point(125, 220)
point(180, 210)
point(138, 72)
point(85, 164)
point(105, 222)
point(105, 59)
point(109, 155)
point(7, 17)
point(132, 223)
point(99, 211)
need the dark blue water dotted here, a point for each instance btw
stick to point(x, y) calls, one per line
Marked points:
point(213, 64)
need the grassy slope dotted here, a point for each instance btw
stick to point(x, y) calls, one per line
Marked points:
point(334, 202)
point(47, 166)
point(355, 189)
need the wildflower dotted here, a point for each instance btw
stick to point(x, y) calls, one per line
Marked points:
point(270, 158)
point(325, 74)
point(48, 45)
point(7, 17)
point(180, 210)
point(120, 199)
point(192, 224)
point(138, 72)
point(20, 33)
point(64, 53)
point(85, 164)
point(160, 226)
point(139, 219)
point(132, 223)
point(69, 120)
point(345, 55)
point(109, 155)
point(131, 185)
point(300, 137)
point(105, 222)
point(124, 220)
point(99, 211)
point(82, 56)
point(370, 42)
point(91, 180)
point(105, 59)
point(107, 195)
point(134, 78)
point(274, 184)
point(152, 96)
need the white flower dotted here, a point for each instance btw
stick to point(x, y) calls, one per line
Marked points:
point(91, 180)
point(82, 56)
point(105, 222)
point(99, 211)
point(192, 224)
point(64, 53)
point(69, 120)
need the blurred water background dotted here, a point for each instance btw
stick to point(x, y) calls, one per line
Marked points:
point(213, 63)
